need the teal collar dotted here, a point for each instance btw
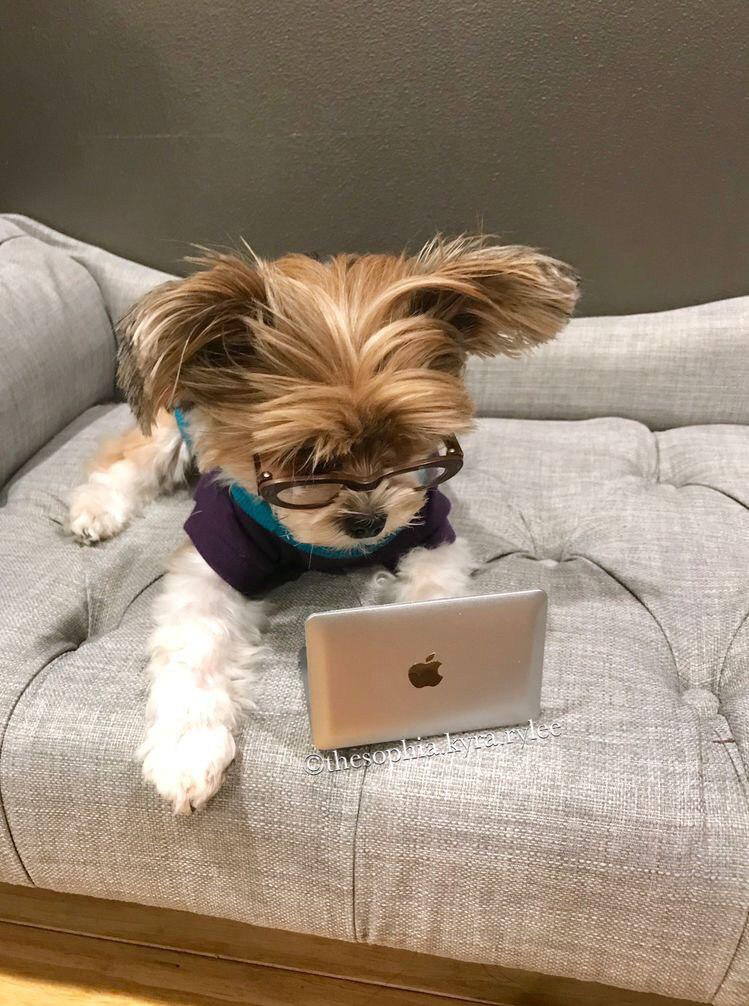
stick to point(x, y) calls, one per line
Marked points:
point(179, 418)
point(262, 514)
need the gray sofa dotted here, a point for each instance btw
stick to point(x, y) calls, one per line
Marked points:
point(611, 469)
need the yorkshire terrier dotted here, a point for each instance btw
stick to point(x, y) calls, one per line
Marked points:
point(320, 403)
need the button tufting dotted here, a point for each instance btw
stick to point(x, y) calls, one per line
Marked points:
point(704, 701)
point(547, 555)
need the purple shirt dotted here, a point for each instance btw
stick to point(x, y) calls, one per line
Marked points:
point(240, 539)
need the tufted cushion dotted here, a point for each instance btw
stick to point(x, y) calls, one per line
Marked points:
point(616, 852)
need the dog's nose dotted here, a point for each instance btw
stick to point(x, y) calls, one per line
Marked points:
point(364, 525)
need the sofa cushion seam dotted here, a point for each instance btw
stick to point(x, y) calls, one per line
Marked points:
point(732, 961)
point(3, 738)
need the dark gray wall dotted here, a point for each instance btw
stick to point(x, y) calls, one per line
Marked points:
point(612, 134)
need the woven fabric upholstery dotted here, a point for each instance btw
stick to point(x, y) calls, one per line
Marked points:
point(58, 301)
point(672, 368)
point(119, 282)
point(57, 345)
point(616, 852)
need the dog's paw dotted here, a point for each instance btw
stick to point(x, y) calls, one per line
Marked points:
point(188, 768)
point(97, 512)
point(429, 574)
point(410, 593)
point(380, 588)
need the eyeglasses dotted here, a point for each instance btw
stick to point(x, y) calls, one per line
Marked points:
point(320, 490)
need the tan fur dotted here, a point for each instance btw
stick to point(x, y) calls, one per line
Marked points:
point(133, 445)
point(297, 352)
point(356, 363)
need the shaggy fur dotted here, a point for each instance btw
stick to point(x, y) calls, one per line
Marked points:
point(352, 366)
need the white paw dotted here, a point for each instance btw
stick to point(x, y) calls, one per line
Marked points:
point(97, 512)
point(429, 574)
point(188, 768)
point(379, 588)
point(428, 590)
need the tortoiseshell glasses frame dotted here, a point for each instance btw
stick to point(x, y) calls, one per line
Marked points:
point(317, 491)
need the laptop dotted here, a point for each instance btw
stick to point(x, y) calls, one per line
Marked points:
point(415, 670)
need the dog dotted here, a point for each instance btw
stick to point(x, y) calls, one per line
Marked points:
point(320, 402)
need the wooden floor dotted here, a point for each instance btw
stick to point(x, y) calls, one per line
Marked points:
point(39, 968)
point(32, 991)
point(68, 950)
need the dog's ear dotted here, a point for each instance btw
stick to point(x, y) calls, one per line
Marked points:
point(186, 339)
point(492, 298)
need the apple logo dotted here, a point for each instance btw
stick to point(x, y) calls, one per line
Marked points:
point(425, 674)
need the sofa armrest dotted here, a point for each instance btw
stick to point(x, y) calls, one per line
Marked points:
point(671, 368)
point(59, 300)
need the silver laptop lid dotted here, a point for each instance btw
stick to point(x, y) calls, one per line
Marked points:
point(408, 670)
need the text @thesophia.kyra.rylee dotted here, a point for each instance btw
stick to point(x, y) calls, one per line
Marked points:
point(409, 750)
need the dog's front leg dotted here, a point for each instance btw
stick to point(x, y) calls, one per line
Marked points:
point(425, 574)
point(206, 641)
point(128, 473)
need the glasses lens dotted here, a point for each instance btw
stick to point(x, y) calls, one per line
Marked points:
point(430, 476)
point(309, 494)
point(420, 478)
